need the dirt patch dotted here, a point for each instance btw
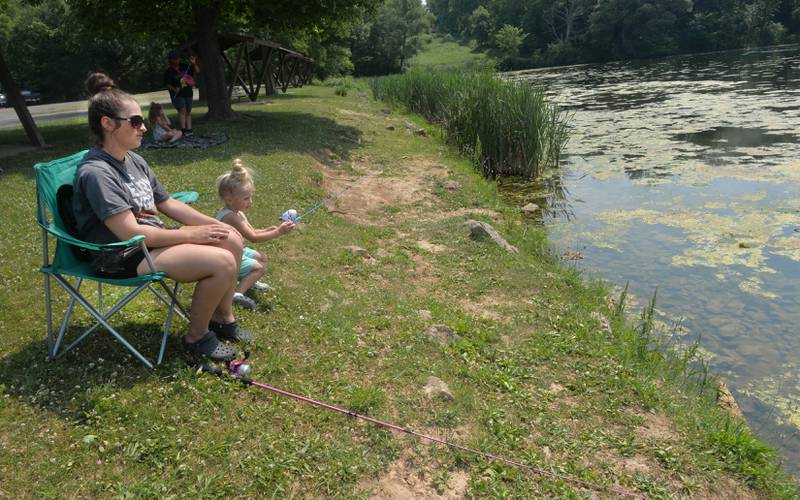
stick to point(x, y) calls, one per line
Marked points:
point(424, 273)
point(725, 488)
point(625, 465)
point(358, 114)
point(656, 427)
point(376, 193)
point(485, 307)
point(403, 480)
point(431, 247)
point(467, 213)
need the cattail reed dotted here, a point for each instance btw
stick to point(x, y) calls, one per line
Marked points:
point(508, 128)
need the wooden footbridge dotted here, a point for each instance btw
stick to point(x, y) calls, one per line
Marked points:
point(253, 63)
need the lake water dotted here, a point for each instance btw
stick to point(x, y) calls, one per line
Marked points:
point(683, 173)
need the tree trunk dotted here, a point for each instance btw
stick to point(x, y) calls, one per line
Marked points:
point(206, 16)
point(16, 100)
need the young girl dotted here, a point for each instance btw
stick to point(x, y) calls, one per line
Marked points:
point(162, 127)
point(114, 186)
point(236, 190)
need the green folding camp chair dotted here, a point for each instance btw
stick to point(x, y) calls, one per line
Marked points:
point(50, 177)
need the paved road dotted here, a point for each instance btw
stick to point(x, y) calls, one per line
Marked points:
point(48, 112)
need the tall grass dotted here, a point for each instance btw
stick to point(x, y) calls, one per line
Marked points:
point(507, 128)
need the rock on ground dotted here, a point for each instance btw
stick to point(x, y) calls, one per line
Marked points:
point(481, 230)
point(360, 252)
point(530, 208)
point(726, 401)
point(441, 334)
point(435, 388)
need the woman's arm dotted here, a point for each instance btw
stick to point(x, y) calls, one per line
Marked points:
point(183, 213)
point(125, 227)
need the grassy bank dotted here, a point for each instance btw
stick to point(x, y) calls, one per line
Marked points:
point(543, 370)
point(443, 55)
point(508, 128)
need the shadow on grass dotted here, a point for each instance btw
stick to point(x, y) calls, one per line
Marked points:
point(257, 132)
point(65, 386)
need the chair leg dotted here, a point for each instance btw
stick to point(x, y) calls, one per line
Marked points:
point(48, 308)
point(67, 315)
point(100, 296)
point(101, 319)
point(168, 323)
point(119, 305)
point(180, 310)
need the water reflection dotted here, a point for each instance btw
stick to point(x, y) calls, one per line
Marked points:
point(683, 173)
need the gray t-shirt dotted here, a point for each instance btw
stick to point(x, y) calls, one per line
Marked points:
point(105, 186)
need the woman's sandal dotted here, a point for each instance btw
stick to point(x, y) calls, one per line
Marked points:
point(210, 347)
point(230, 332)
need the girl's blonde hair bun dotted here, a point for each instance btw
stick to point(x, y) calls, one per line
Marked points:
point(229, 182)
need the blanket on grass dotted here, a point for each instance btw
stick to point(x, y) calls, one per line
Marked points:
point(200, 141)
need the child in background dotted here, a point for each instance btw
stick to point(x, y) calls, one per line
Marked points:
point(236, 189)
point(162, 127)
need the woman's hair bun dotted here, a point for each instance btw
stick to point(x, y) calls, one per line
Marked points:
point(99, 82)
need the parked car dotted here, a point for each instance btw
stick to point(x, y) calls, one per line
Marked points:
point(31, 97)
point(3, 101)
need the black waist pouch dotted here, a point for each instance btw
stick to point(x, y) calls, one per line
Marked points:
point(117, 263)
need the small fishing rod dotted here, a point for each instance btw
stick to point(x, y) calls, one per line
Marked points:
point(240, 370)
point(292, 216)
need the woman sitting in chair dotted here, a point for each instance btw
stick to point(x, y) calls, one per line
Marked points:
point(118, 197)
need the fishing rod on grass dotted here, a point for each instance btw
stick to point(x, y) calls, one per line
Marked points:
point(240, 370)
point(291, 215)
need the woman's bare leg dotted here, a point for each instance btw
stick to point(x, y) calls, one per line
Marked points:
point(214, 268)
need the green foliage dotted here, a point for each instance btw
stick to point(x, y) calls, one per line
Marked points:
point(572, 31)
point(480, 25)
point(386, 44)
point(508, 39)
point(49, 49)
point(507, 128)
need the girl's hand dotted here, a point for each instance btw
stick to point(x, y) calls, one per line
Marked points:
point(193, 60)
point(286, 227)
point(207, 234)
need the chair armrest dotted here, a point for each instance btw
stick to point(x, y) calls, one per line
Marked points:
point(68, 238)
point(187, 197)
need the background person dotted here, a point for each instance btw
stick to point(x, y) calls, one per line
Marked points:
point(179, 80)
point(162, 127)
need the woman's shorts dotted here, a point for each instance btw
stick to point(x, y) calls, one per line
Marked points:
point(248, 262)
point(118, 264)
point(181, 102)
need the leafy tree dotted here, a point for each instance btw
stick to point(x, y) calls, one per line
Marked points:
point(452, 15)
point(208, 18)
point(635, 28)
point(569, 31)
point(508, 39)
point(481, 25)
point(48, 50)
point(384, 45)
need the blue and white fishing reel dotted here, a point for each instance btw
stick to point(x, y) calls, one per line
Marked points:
point(291, 216)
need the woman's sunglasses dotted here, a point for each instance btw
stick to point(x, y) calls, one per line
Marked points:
point(136, 121)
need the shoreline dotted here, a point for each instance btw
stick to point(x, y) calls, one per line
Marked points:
point(539, 367)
